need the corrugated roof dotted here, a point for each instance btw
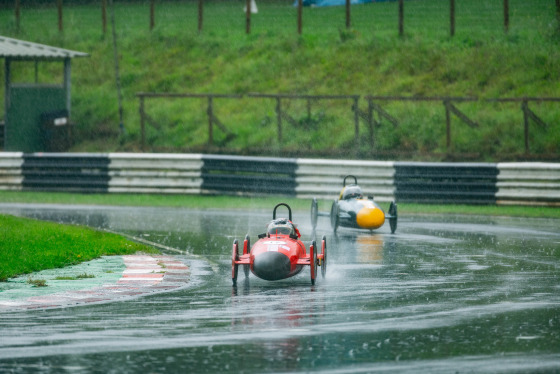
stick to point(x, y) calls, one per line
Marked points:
point(22, 49)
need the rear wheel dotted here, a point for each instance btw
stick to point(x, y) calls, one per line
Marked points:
point(334, 215)
point(234, 258)
point(324, 253)
point(246, 251)
point(313, 261)
point(393, 217)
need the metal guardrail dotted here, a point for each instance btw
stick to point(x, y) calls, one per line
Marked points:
point(323, 178)
point(248, 175)
point(528, 183)
point(10, 170)
point(78, 172)
point(155, 173)
point(469, 183)
point(458, 183)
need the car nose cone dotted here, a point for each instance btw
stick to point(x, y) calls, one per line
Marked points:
point(271, 266)
point(370, 218)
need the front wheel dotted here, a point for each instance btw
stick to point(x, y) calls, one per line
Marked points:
point(313, 261)
point(246, 251)
point(334, 216)
point(393, 216)
point(234, 258)
point(324, 253)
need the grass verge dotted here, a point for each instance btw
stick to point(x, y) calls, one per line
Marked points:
point(29, 245)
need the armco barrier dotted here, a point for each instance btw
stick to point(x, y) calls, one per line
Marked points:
point(70, 172)
point(248, 175)
point(528, 183)
point(461, 183)
point(323, 178)
point(10, 170)
point(155, 173)
point(468, 183)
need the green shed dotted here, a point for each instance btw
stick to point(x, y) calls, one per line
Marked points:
point(37, 115)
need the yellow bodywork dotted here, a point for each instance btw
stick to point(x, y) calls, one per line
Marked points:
point(370, 216)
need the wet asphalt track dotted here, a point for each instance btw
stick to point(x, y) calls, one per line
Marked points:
point(444, 294)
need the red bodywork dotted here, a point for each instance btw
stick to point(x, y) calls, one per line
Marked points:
point(278, 255)
point(283, 257)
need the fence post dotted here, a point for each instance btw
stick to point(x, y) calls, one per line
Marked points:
point(356, 124)
point(525, 107)
point(506, 15)
point(347, 14)
point(371, 125)
point(142, 125)
point(248, 17)
point(59, 6)
point(17, 10)
point(401, 17)
point(452, 17)
point(447, 124)
point(104, 16)
point(210, 112)
point(152, 14)
point(300, 16)
point(279, 118)
point(200, 15)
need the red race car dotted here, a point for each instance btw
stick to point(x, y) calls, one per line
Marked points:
point(278, 254)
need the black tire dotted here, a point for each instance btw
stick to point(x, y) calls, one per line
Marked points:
point(234, 266)
point(314, 213)
point(313, 262)
point(334, 216)
point(324, 262)
point(393, 213)
point(247, 268)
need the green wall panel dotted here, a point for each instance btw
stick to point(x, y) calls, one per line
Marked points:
point(27, 104)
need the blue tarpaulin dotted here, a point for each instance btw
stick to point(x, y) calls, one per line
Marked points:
point(336, 2)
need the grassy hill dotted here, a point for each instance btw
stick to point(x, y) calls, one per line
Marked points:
point(370, 58)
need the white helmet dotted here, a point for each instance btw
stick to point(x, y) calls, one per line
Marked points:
point(280, 226)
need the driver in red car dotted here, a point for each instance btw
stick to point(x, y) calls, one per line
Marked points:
point(283, 226)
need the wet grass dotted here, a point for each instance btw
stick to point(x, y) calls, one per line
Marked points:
point(80, 276)
point(260, 203)
point(37, 282)
point(29, 245)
